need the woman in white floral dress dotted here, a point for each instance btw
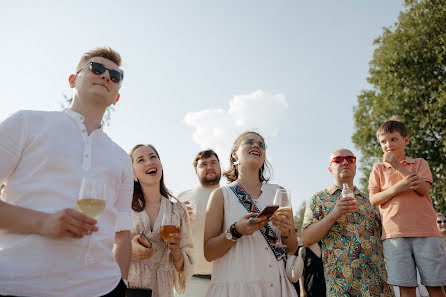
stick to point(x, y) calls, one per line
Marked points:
point(156, 271)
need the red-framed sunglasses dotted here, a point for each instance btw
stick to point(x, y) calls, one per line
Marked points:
point(340, 160)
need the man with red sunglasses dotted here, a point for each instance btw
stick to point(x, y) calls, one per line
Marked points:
point(349, 229)
point(43, 158)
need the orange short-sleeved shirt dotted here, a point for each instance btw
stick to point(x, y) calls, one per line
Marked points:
point(408, 214)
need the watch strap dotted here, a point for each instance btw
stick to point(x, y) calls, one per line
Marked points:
point(234, 231)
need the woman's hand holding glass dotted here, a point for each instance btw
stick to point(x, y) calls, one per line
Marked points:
point(282, 219)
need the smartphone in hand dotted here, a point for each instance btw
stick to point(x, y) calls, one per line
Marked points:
point(144, 241)
point(268, 211)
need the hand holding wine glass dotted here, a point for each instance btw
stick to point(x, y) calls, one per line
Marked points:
point(283, 217)
point(169, 227)
point(91, 202)
point(170, 233)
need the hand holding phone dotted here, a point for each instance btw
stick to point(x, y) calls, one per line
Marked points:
point(144, 241)
point(268, 211)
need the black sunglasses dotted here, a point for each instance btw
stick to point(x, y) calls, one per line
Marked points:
point(441, 221)
point(98, 69)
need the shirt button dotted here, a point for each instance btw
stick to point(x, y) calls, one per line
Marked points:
point(271, 284)
point(266, 248)
point(270, 265)
point(83, 130)
point(86, 155)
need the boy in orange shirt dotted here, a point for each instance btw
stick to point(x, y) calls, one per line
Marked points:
point(411, 240)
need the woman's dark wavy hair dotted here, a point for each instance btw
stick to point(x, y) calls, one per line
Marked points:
point(138, 201)
point(232, 173)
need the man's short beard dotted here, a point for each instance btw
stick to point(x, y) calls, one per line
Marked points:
point(210, 182)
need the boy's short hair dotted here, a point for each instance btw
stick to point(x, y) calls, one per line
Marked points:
point(104, 52)
point(391, 125)
point(204, 155)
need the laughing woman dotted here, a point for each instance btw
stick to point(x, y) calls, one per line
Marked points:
point(247, 261)
point(156, 270)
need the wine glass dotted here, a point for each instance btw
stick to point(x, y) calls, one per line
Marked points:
point(91, 202)
point(283, 199)
point(169, 227)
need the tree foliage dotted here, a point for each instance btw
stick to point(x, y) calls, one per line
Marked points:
point(407, 75)
point(299, 218)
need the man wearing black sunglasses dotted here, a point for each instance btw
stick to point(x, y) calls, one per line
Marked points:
point(43, 158)
point(349, 228)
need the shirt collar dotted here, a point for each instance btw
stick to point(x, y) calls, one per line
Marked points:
point(405, 161)
point(77, 117)
point(72, 114)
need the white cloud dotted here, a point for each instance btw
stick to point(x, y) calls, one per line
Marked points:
point(218, 128)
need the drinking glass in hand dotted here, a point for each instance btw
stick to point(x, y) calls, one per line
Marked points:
point(169, 226)
point(91, 202)
point(283, 199)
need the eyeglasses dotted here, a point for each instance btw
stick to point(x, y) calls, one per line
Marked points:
point(98, 69)
point(441, 221)
point(340, 160)
point(251, 142)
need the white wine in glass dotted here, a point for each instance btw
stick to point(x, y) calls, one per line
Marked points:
point(92, 207)
point(91, 202)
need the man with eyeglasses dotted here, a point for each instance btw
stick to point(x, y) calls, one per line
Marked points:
point(43, 158)
point(350, 231)
point(207, 168)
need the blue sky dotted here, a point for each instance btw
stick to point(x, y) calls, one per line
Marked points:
point(197, 73)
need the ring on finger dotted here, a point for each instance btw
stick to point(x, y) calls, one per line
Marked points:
point(251, 221)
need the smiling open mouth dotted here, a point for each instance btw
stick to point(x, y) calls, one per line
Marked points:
point(151, 171)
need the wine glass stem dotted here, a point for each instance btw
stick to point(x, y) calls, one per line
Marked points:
point(87, 254)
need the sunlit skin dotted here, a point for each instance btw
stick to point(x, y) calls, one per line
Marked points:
point(342, 173)
point(92, 93)
point(250, 158)
point(147, 168)
point(208, 172)
point(392, 145)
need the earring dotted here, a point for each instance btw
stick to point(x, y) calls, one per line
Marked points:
point(136, 179)
point(236, 162)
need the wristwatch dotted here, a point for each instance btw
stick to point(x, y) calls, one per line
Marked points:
point(234, 232)
point(229, 236)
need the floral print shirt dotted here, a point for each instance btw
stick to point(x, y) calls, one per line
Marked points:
point(352, 249)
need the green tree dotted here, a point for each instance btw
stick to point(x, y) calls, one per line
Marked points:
point(299, 218)
point(408, 78)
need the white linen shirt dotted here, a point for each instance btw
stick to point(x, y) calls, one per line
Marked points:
point(43, 158)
